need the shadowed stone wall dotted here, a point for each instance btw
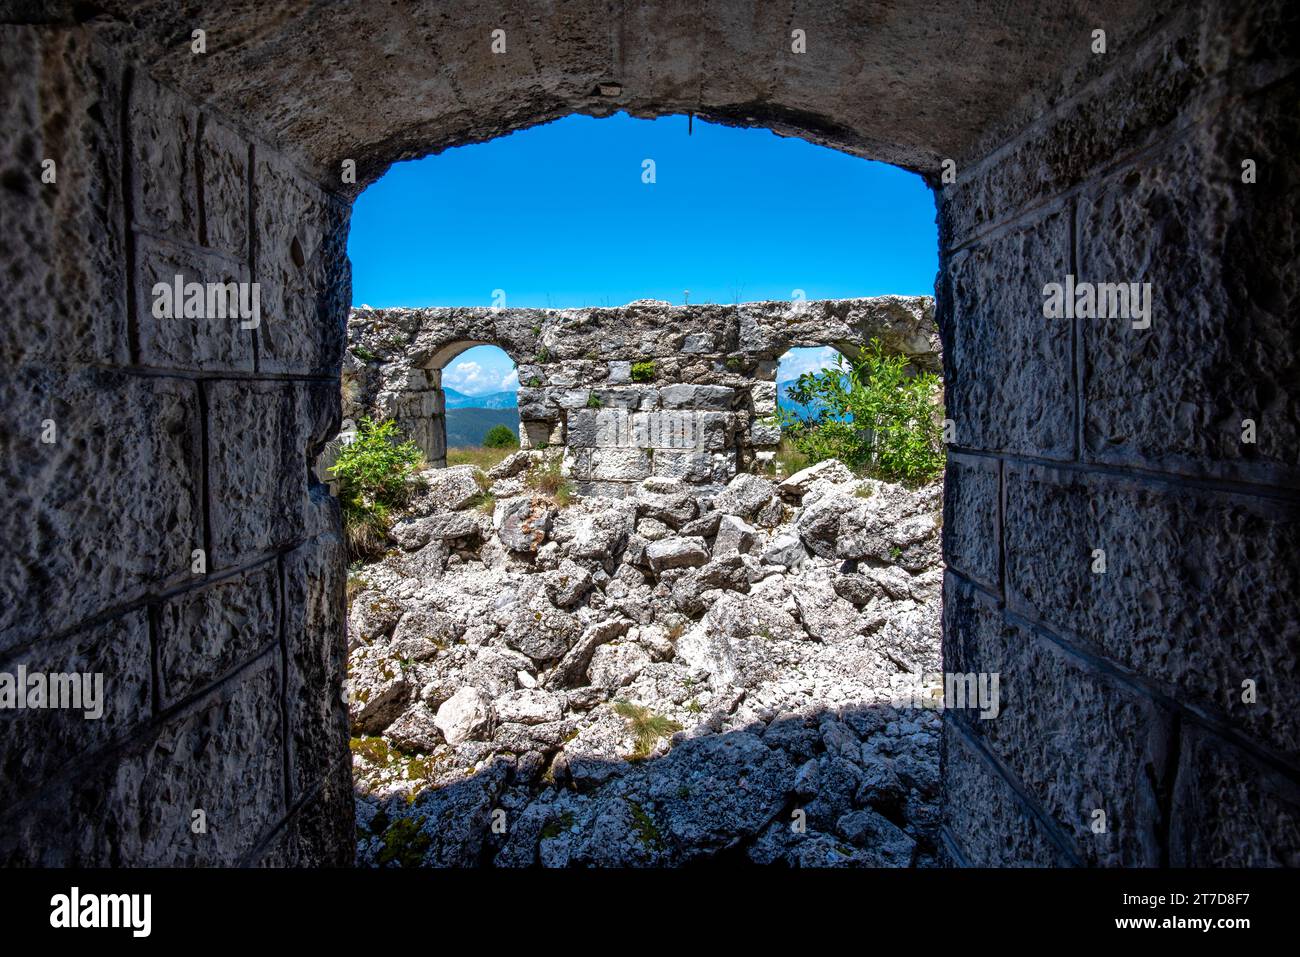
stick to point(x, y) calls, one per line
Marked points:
point(1128, 733)
point(684, 392)
point(1125, 738)
point(169, 535)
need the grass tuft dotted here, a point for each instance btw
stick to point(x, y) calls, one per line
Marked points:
point(646, 727)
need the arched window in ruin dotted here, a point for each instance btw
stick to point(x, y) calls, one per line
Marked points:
point(480, 389)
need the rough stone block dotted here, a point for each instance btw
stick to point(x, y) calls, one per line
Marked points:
point(971, 527)
point(257, 481)
point(714, 468)
point(40, 742)
point(714, 430)
point(1009, 378)
point(223, 756)
point(206, 632)
point(107, 510)
point(629, 397)
point(223, 165)
point(1198, 593)
point(764, 433)
point(608, 464)
point(1230, 810)
point(535, 407)
point(1218, 255)
point(989, 821)
point(178, 342)
point(302, 262)
point(316, 642)
point(163, 133)
point(763, 397)
point(61, 244)
point(1077, 739)
point(596, 428)
point(685, 396)
point(1123, 112)
point(680, 430)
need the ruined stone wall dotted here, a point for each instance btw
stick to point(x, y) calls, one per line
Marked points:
point(649, 388)
point(1124, 737)
point(161, 527)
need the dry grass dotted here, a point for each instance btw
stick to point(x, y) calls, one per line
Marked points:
point(547, 479)
point(646, 727)
point(789, 459)
point(477, 455)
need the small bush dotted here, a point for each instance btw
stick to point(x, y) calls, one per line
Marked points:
point(643, 371)
point(546, 478)
point(871, 415)
point(500, 437)
point(372, 473)
point(646, 726)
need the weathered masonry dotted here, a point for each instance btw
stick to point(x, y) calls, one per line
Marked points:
point(685, 392)
point(1159, 692)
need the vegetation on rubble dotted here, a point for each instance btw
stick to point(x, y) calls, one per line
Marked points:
point(372, 473)
point(646, 727)
point(872, 415)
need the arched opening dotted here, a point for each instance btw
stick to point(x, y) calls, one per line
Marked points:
point(480, 390)
point(646, 374)
point(792, 411)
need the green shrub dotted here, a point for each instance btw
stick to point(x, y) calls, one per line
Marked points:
point(500, 437)
point(372, 473)
point(643, 371)
point(646, 727)
point(871, 415)
point(548, 478)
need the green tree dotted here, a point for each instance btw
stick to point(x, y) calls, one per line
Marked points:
point(372, 472)
point(872, 415)
point(500, 437)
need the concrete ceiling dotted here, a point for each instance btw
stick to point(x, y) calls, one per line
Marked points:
point(905, 81)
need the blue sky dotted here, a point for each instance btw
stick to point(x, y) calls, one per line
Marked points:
point(559, 216)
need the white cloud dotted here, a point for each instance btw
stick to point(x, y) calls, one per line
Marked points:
point(798, 361)
point(472, 378)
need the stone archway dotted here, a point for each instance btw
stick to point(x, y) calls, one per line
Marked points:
point(1070, 437)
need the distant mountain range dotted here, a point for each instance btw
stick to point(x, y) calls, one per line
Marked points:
point(469, 426)
point(470, 416)
point(490, 400)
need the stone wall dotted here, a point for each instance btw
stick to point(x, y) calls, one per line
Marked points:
point(645, 389)
point(1129, 735)
point(162, 527)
